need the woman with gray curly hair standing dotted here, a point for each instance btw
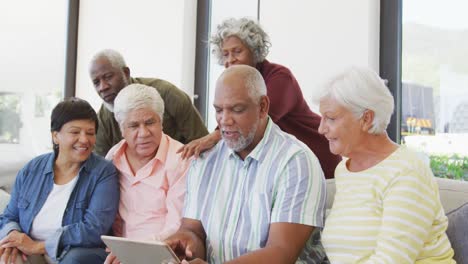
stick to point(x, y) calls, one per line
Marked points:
point(243, 41)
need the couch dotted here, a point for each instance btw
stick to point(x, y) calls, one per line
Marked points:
point(453, 194)
point(454, 198)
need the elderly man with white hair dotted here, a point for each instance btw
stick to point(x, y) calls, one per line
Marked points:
point(152, 174)
point(387, 207)
point(258, 196)
point(110, 74)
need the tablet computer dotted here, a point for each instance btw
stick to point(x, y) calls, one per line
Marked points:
point(130, 251)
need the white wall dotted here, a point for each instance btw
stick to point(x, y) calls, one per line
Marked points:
point(316, 39)
point(156, 38)
point(32, 66)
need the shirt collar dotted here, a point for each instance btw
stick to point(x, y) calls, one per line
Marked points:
point(261, 65)
point(87, 165)
point(259, 152)
point(161, 154)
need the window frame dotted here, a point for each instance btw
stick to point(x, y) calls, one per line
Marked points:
point(71, 48)
point(390, 64)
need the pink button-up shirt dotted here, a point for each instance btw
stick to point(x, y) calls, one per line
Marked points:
point(151, 201)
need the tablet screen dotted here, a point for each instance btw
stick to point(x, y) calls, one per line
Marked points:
point(142, 252)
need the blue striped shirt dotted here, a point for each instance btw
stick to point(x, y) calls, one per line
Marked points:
point(236, 200)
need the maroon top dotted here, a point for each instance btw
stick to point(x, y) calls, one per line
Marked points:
point(290, 112)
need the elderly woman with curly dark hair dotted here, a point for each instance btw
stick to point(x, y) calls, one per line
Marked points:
point(243, 41)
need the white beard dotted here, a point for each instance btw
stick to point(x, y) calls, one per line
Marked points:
point(243, 142)
point(110, 107)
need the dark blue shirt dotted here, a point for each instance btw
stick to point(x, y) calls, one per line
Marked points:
point(90, 210)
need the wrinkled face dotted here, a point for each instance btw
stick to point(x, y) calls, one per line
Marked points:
point(238, 116)
point(107, 80)
point(236, 52)
point(142, 129)
point(341, 127)
point(76, 140)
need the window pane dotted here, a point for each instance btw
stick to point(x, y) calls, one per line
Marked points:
point(435, 83)
point(32, 64)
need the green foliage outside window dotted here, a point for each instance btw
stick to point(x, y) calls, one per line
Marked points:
point(451, 167)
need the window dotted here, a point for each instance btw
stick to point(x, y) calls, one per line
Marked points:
point(434, 113)
point(33, 70)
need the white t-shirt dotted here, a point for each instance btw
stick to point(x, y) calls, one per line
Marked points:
point(49, 218)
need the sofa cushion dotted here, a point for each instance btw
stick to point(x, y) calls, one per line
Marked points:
point(457, 232)
point(453, 193)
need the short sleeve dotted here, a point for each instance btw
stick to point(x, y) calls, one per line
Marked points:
point(300, 192)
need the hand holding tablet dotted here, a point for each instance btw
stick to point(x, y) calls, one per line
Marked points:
point(142, 252)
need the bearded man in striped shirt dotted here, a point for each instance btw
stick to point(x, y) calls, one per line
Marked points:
point(259, 195)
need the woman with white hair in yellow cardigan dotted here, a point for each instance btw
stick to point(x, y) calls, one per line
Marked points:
point(387, 207)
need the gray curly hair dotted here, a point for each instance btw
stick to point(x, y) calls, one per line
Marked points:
point(248, 31)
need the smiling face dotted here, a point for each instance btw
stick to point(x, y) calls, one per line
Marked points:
point(239, 117)
point(76, 140)
point(142, 129)
point(108, 80)
point(234, 52)
point(341, 127)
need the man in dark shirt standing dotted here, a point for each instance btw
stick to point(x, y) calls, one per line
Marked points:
point(110, 74)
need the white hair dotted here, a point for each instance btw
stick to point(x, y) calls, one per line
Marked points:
point(115, 58)
point(251, 77)
point(248, 31)
point(359, 89)
point(137, 96)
